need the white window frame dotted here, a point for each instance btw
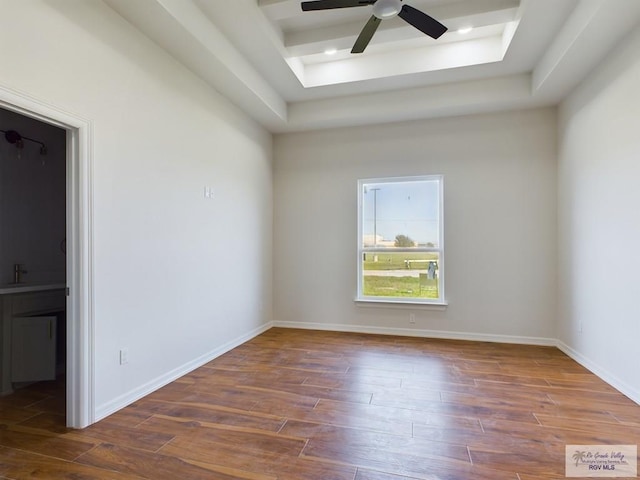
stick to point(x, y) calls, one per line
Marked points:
point(360, 297)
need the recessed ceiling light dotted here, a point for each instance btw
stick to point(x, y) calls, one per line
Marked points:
point(464, 30)
point(330, 51)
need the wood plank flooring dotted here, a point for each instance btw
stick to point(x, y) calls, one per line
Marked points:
point(307, 405)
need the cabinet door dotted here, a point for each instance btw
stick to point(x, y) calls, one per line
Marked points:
point(33, 349)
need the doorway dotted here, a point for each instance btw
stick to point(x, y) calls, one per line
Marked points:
point(32, 257)
point(78, 264)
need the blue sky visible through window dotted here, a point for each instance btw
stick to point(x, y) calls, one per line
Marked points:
point(408, 208)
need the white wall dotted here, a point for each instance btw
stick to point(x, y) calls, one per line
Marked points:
point(599, 170)
point(500, 223)
point(32, 201)
point(176, 276)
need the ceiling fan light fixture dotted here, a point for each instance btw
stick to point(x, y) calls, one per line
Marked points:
point(330, 51)
point(464, 30)
point(385, 9)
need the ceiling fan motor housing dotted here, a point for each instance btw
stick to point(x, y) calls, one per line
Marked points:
point(384, 9)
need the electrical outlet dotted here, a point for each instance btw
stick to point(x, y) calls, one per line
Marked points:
point(124, 356)
point(412, 319)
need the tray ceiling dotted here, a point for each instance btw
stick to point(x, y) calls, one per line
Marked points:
point(270, 58)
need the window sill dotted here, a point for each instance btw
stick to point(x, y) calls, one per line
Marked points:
point(392, 303)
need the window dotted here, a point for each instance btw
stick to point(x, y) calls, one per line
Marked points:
point(400, 240)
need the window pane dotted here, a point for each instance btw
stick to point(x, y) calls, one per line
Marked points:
point(401, 274)
point(401, 214)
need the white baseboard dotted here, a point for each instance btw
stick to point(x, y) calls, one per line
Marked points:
point(412, 332)
point(128, 398)
point(602, 373)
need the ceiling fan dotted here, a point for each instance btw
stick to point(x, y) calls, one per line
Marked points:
point(382, 10)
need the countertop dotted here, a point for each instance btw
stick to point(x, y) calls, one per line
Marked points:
point(29, 287)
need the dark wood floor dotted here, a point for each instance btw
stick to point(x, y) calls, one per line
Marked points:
point(301, 405)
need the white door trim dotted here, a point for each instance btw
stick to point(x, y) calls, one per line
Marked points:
point(80, 315)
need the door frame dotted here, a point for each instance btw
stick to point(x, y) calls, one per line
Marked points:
point(80, 260)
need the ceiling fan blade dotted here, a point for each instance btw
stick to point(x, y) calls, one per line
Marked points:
point(366, 34)
point(329, 4)
point(423, 22)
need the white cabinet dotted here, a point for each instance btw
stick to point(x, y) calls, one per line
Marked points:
point(28, 333)
point(33, 348)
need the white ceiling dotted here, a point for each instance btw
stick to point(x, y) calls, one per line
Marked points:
point(267, 56)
